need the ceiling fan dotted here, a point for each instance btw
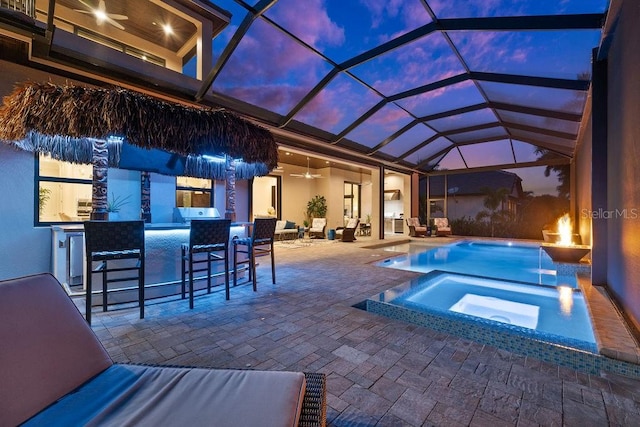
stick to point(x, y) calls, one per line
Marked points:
point(307, 174)
point(102, 15)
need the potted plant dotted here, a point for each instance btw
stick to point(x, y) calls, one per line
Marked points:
point(432, 230)
point(317, 207)
point(306, 219)
point(115, 204)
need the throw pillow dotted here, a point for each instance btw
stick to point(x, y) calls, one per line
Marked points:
point(290, 225)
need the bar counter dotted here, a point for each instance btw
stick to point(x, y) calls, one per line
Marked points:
point(163, 271)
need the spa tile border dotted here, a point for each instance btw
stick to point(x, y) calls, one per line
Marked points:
point(563, 351)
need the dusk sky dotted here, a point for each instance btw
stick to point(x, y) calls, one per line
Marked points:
point(274, 71)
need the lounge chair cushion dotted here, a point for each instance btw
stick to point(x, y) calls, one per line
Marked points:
point(415, 229)
point(47, 347)
point(348, 233)
point(415, 222)
point(352, 223)
point(318, 225)
point(153, 396)
point(443, 225)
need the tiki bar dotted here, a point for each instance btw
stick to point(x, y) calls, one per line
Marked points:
point(102, 128)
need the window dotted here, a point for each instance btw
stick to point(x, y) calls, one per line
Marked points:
point(436, 208)
point(266, 196)
point(193, 192)
point(113, 44)
point(63, 191)
point(351, 200)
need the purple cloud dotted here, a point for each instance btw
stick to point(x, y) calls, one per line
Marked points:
point(443, 99)
point(482, 50)
point(339, 104)
point(316, 29)
point(268, 65)
point(421, 62)
point(474, 8)
point(322, 111)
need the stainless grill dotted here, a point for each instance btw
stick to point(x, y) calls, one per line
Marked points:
point(185, 215)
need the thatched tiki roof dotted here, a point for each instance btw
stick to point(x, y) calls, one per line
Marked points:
point(81, 112)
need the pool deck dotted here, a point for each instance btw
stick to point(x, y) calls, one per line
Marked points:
point(612, 334)
point(381, 372)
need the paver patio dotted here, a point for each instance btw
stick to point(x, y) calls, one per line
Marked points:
point(381, 372)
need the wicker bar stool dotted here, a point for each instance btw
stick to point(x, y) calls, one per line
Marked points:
point(110, 241)
point(260, 243)
point(209, 237)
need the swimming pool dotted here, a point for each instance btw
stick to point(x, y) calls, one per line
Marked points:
point(521, 262)
point(549, 314)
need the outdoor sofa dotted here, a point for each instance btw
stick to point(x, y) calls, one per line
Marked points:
point(286, 230)
point(55, 372)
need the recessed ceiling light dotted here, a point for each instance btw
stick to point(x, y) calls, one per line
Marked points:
point(287, 153)
point(327, 162)
point(167, 29)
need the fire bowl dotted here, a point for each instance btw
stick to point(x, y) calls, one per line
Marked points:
point(570, 254)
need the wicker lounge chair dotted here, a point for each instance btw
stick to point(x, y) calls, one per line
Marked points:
point(443, 227)
point(415, 229)
point(348, 232)
point(55, 371)
point(317, 227)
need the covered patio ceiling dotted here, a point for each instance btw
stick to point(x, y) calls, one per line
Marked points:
point(423, 85)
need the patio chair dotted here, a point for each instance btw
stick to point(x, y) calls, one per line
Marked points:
point(208, 242)
point(348, 232)
point(317, 227)
point(107, 242)
point(415, 229)
point(260, 243)
point(443, 227)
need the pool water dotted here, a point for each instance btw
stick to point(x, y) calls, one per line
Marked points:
point(519, 262)
point(558, 314)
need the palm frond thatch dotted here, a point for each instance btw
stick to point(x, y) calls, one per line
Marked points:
point(80, 151)
point(65, 148)
point(81, 112)
point(198, 167)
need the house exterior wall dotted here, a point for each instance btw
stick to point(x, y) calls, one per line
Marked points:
point(20, 239)
point(582, 181)
point(25, 249)
point(623, 246)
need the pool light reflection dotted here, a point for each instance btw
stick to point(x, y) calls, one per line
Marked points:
point(565, 297)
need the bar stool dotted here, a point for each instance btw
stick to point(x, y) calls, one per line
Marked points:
point(260, 243)
point(207, 236)
point(110, 241)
